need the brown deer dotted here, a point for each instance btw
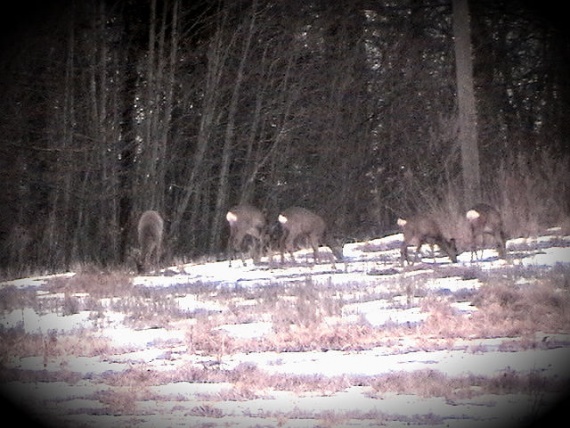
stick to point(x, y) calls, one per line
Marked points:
point(484, 220)
point(150, 229)
point(245, 220)
point(296, 223)
point(422, 230)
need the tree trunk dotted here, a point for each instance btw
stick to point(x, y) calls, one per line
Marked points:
point(222, 196)
point(208, 121)
point(466, 102)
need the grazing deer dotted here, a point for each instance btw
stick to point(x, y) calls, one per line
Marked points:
point(424, 230)
point(484, 220)
point(298, 222)
point(245, 220)
point(150, 230)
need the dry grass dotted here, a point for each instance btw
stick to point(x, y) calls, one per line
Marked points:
point(304, 317)
point(516, 310)
point(432, 383)
point(97, 284)
point(530, 190)
point(12, 298)
point(119, 401)
point(52, 346)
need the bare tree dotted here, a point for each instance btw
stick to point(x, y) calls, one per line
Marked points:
point(466, 102)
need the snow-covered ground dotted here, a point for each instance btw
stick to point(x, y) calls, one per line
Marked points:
point(150, 361)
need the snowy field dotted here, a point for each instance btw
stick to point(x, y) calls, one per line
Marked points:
point(362, 343)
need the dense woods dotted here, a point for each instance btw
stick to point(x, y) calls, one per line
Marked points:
point(110, 108)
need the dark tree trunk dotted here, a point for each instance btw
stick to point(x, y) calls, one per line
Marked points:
point(466, 102)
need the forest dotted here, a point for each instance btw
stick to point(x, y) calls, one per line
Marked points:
point(350, 108)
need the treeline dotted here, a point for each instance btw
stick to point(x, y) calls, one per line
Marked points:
point(110, 108)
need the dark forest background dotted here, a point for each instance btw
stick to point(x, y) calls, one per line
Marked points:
point(110, 108)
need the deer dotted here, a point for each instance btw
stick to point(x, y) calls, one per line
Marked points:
point(150, 229)
point(297, 223)
point(245, 220)
point(421, 230)
point(484, 220)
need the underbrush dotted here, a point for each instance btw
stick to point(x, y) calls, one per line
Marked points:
point(306, 316)
point(531, 192)
point(432, 383)
point(97, 284)
point(511, 309)
point(248, 382)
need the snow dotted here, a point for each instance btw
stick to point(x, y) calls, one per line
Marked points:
point(36, 281)
point(548, 257)
point(32, 322)
point(370, 287)
point(549, 362)
point(248, 331)
point(378, 313)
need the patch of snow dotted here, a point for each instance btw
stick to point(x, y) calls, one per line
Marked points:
point(373, 269)
point(36, 281)
point(190, 390)
point(141, 339)
point(548, 257)
point(452, 284)
point(377, 361)
point(379, 312)
point(247, 331)
point(32, 322)
point(190, 303)
point(82, 365)
point(463, 307)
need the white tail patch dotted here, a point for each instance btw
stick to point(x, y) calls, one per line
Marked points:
point(231, 217)
point(472, 215)
point(401, 222)
point(282, 219)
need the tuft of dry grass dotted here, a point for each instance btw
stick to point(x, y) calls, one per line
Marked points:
point(18, 344)
point(433, 383)
point(13, 298)
point(443, 320)
point(119, 401)
point(534, 190)
point(97, 284)
point(510, 309)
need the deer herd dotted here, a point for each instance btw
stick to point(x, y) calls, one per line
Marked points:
point(297, 226)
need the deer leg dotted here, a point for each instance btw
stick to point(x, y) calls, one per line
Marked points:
point(418, 249)
point(290, 245)
point(500, 243)
point(315, 246)
point(231, 245)
point(404, 253)
point(285, 246)
point(431, 247)
point(257, 247)
point(473, 245)
point(158, 251)
point(237, 246)
point(256, 251)
point(149, 261)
